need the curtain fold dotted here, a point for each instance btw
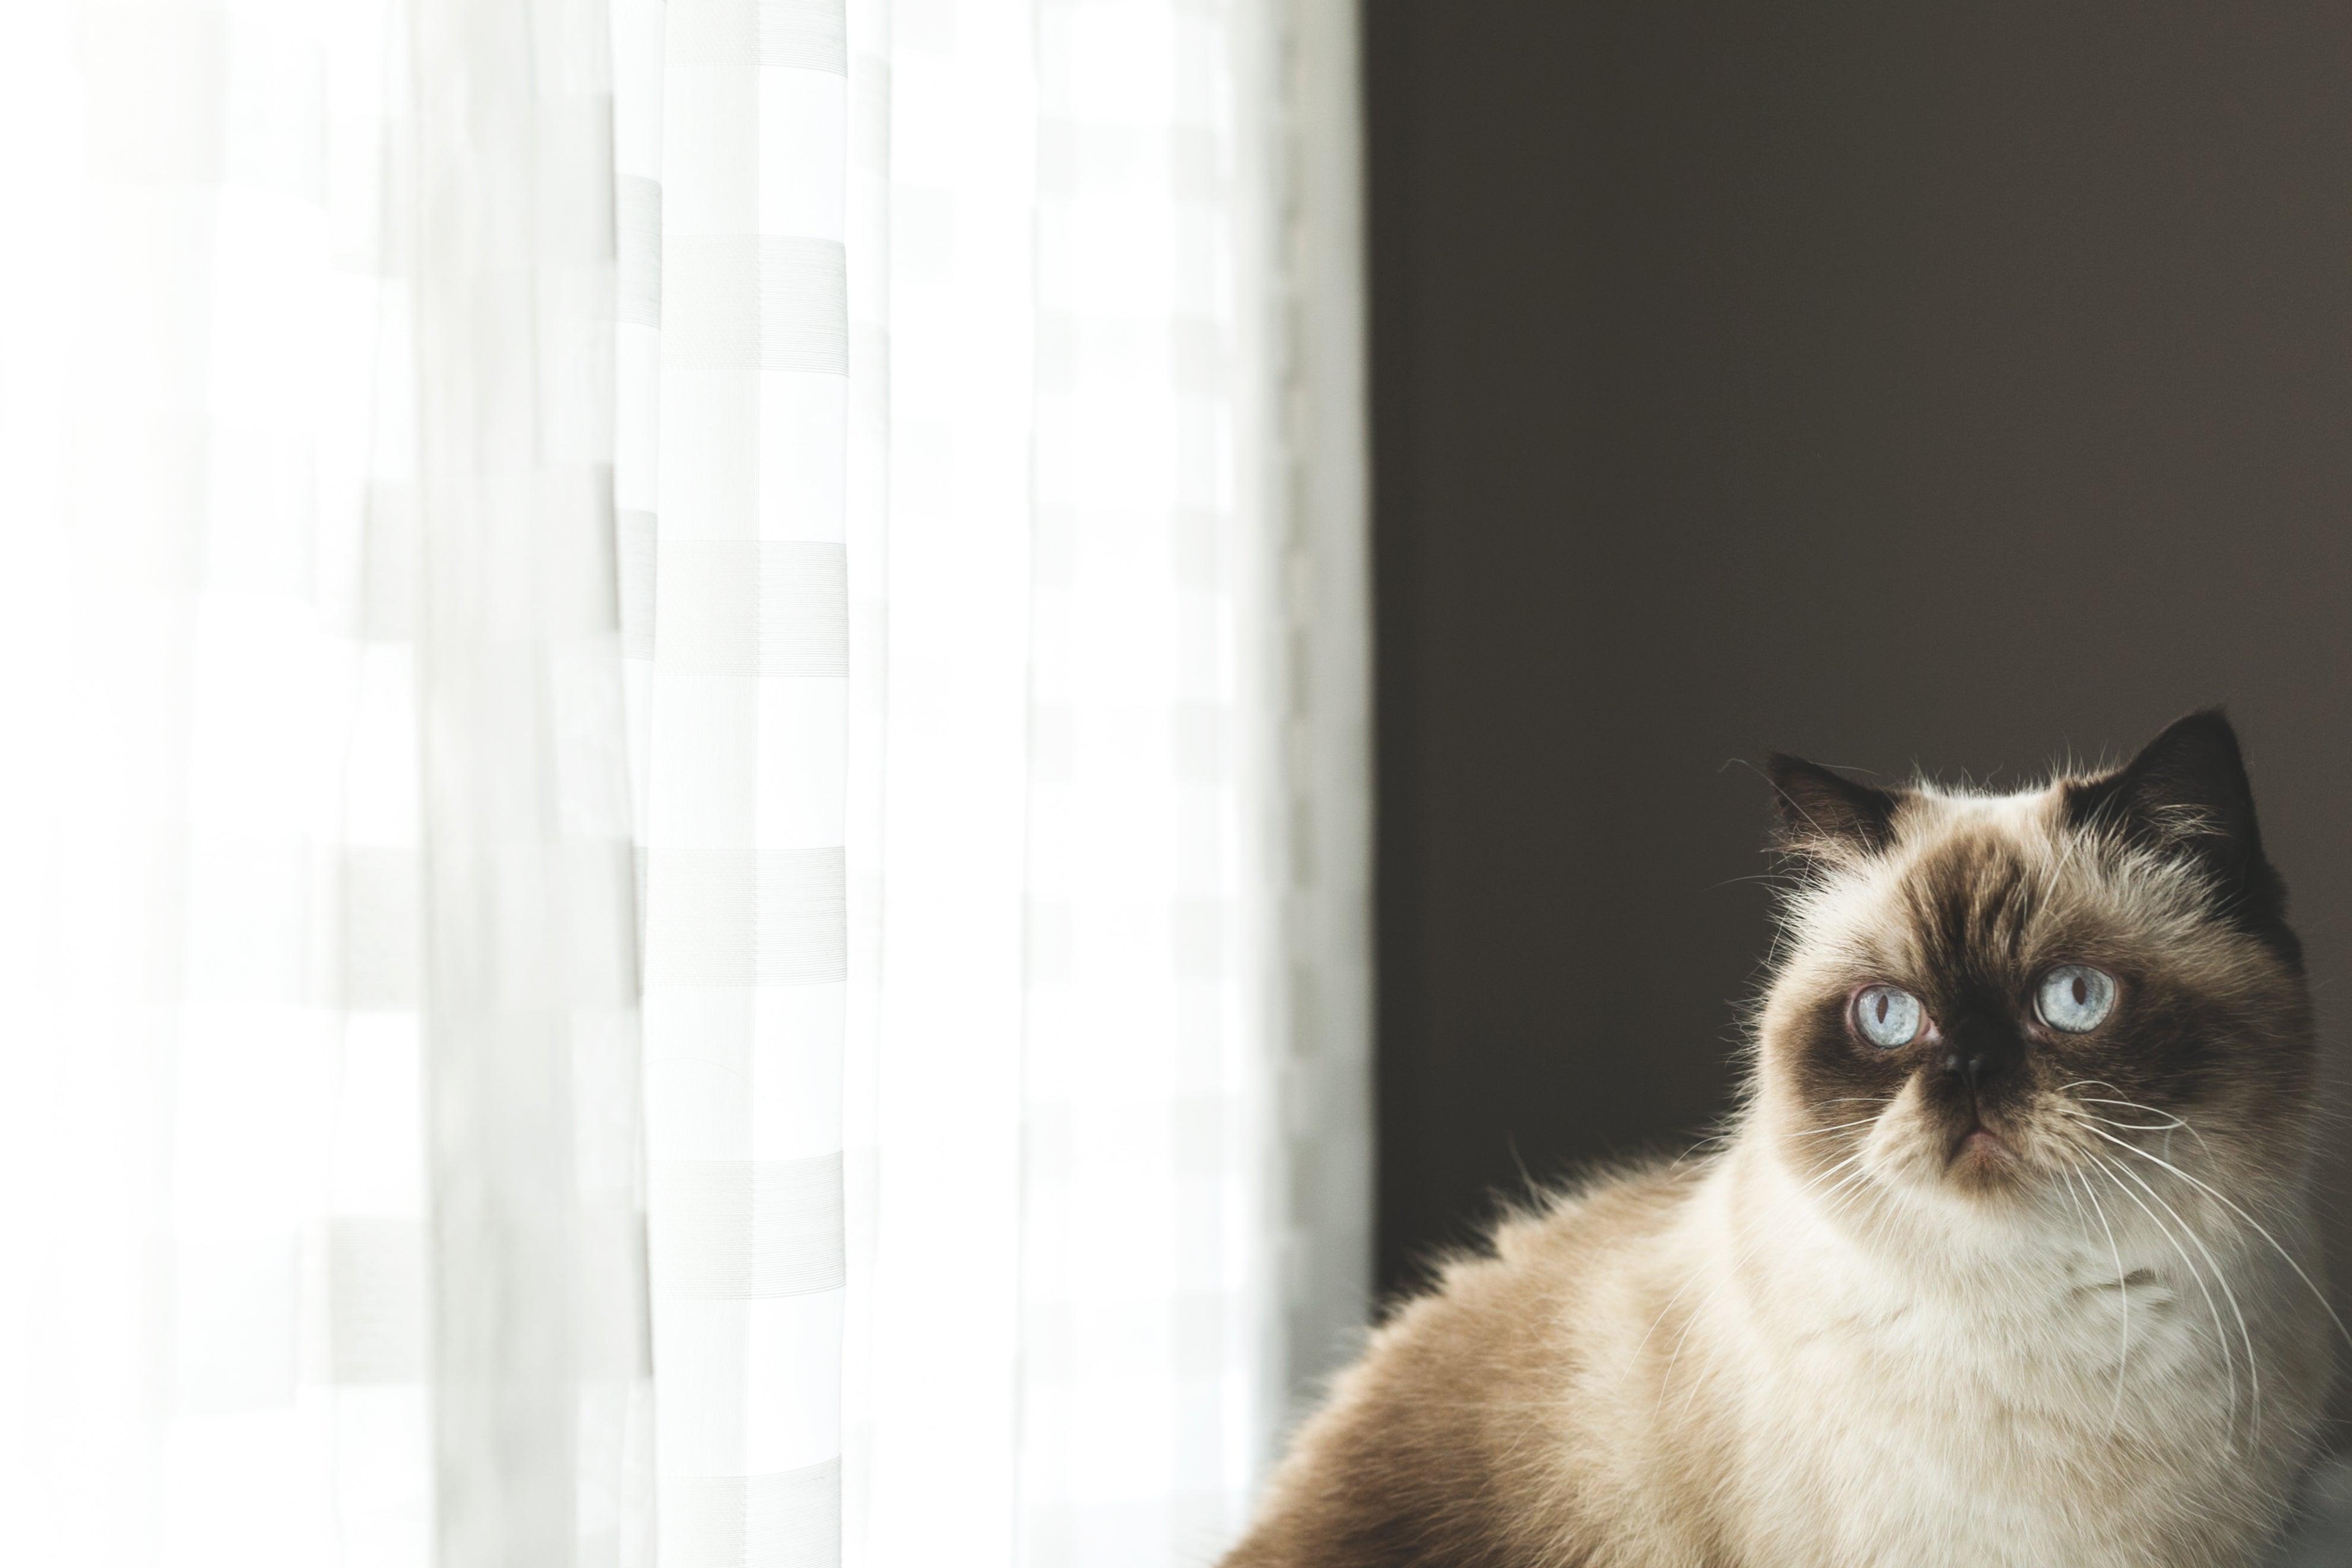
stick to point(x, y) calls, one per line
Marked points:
point(541, 1401)
point(687, 686)
point(734, 173)
point(1309, 85)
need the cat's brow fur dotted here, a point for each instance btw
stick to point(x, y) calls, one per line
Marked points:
point(1837, 1342)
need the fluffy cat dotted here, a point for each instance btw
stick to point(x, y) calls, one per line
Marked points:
point(2007, 1259)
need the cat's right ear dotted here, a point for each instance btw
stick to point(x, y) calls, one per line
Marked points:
point(2186, 796)
point(1824, 815)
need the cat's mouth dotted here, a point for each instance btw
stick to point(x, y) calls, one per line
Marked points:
point(1977, 1147)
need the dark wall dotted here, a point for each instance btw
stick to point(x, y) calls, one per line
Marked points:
point(1961, 386)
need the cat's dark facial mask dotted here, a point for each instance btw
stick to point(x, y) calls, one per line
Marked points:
point(1982, 992)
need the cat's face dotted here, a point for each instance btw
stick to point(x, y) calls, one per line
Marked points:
point(1984, 997)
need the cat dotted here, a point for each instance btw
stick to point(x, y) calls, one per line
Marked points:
point(2007, 1260)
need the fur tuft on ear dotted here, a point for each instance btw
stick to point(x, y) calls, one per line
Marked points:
point(1824, 815)
point(2185, 794)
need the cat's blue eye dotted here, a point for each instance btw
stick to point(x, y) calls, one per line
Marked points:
point(2076, 998)
point(1887, 1015)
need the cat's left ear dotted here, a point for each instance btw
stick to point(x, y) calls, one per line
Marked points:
point(1821, 815)
point(2186, 793)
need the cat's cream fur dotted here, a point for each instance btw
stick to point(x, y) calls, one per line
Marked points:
point(1856, 1336)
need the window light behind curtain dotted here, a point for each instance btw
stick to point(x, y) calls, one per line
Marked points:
point(893, 475)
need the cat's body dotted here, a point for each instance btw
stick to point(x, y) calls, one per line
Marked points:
point(1985, 1297)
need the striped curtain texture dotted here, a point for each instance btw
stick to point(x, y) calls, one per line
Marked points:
point(689, 685)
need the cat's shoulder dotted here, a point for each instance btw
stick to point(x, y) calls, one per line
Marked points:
point(1546, 1254)
point(1603, 1209)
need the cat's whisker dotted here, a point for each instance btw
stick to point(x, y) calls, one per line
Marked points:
point(2123, 1284)
point(1812, 1182)
point(1828, 1200)
point(1841, 1127)
point(2131, 1105)
point(2084, 1119)
point(1747, 1253)
point(2169, 1123)
point(1812, 1186)
point(1850, 1191)
point(2222, 1335)
point(1665, 1377)
point(1855, 1158)
point(2242, 1213)
point(1680, 1291)
point(2220, 1278)
point(1814, 1189)
point(2173, 1120)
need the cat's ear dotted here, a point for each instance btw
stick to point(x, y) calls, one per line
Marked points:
point(1826, 816)
point(2185, 794)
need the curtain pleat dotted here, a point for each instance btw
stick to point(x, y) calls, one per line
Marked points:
point(540, 1357)
point(735, 119)
point(1304, 78)
point(1153, 979)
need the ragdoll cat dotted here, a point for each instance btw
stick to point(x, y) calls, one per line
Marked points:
point(2006, 1260)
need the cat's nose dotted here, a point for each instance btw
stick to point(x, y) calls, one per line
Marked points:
point(1976, 1068)
point(1978, 1057)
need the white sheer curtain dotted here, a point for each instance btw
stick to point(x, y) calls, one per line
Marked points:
point(901, 467)
point(1000, 623)
point(322, 1181)
point(323, 1155)
point(1176, 1117)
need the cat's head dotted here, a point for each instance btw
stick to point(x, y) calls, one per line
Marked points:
point(1982, 997)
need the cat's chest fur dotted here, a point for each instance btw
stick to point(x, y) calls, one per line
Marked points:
point(2055, 1402)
